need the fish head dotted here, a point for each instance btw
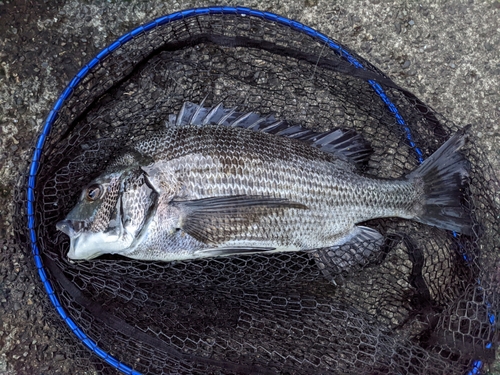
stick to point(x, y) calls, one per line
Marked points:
point(111, 214)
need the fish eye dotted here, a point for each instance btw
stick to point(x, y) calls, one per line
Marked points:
point(93, 192)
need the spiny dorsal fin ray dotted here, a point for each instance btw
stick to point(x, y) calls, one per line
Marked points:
point(343, 143)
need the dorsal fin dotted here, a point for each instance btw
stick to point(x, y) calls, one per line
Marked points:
point(343, 143)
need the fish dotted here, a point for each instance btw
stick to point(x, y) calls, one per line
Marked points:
point(217, 182)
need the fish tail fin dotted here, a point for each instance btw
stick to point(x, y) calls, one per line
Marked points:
point(442, 180)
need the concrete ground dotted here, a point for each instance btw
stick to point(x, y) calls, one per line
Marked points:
point(446, 52)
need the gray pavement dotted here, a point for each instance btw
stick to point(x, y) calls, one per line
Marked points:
point(446, 52)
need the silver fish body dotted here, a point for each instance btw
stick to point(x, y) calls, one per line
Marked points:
point(213, 186)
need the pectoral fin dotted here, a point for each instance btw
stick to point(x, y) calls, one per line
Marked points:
point(216, 220)
point(356, 249)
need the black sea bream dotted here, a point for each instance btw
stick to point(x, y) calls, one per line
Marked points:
point(217, 182)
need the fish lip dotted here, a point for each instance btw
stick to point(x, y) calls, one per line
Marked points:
point(68, 227)
point(87, 246)
point(71, 255)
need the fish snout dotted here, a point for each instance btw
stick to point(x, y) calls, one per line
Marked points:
point(70, 227)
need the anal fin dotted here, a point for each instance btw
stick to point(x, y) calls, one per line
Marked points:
point(355, 250)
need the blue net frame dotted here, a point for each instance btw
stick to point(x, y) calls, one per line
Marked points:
point(35, 160)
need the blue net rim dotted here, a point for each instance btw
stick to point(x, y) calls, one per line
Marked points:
point(184, 14)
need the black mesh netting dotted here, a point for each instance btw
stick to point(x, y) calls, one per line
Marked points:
point(427, 306)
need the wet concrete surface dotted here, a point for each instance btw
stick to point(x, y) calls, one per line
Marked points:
point(446, 52)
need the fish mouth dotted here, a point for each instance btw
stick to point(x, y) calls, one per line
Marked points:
point(74, 230)
point(71, 228)
point(86, 245)
point(80, 249)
